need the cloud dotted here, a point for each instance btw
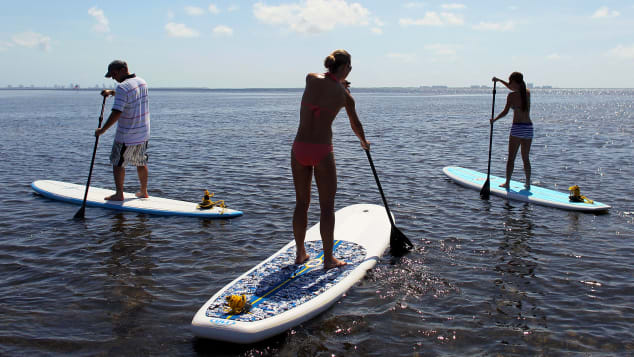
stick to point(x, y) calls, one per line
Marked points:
point(433, 18)
point(170, 14)
point(438, 49)
point(378, 24)
point(312, 16)
point(622, 52)
point(401, 57)
point(102, 25)
point(180, 30)
point(32, 39)
point(453, 6)
point(222, 30)
point(554, 57)
point(5, 45)
point(493, 26)
point(413, 4)
point(213, 9)
point(604, 12)
point(194, 10)
point(233, 8)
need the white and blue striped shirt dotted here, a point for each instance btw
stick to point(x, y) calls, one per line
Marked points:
point(131, 99)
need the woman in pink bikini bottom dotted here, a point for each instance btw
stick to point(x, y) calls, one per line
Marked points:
point(312, 152)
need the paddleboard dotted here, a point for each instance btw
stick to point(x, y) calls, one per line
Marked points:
point(70, 192)
point(539, 195)
point(283, 294)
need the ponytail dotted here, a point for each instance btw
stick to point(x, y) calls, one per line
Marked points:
point(519, 79)
point(336, 59)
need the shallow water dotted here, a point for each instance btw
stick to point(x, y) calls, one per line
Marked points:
point(486, 277)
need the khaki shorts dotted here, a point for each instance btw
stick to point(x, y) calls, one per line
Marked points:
point(123, 155)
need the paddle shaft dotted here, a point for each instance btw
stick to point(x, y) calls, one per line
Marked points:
point(92, 162)
point(487, 183)
point(378, 183)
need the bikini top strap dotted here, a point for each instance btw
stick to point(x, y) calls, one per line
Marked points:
point(331, 76)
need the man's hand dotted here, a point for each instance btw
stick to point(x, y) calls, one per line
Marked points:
point(107, 92)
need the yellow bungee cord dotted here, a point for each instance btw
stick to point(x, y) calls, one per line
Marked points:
point(237, 304)
point(575, 195)
point(207, 203)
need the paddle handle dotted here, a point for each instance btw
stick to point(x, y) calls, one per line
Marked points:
point(378, 183)
point(94, 152)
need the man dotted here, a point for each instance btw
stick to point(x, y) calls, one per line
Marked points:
point(131, 112)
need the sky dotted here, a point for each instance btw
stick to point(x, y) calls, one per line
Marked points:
point(274, 43)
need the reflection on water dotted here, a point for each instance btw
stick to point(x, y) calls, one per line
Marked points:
point(129, 274)
point(515, 305)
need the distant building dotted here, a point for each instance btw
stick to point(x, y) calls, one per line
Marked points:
point(529, 85)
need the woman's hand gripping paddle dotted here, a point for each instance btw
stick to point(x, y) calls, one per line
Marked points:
point(80, 213)
point(486, 188)
point(399, 243)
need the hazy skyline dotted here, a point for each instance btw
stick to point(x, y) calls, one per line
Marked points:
point(273, 44)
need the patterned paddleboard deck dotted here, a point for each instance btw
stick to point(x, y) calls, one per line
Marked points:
point(73, 193)
point(539, 195)
point(283, 294)
point(280, 285)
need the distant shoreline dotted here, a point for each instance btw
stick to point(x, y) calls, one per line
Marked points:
point(203, 89)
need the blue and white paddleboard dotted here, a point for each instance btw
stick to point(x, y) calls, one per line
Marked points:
point(543, 196)
point(283, 294)
point(70, 192)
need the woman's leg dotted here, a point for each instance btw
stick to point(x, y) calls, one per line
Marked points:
point(326, 178)
point(526, 149)
point(514, 144)
point(302, 178)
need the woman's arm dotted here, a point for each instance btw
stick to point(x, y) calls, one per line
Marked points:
point(501, 81)
point(355, 123)
point(506, 108)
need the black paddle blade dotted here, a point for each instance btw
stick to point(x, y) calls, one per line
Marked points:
point(486, 190)
point(399, 243)
point(80, 213)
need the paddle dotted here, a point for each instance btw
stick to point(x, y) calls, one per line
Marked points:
point(80, 213)
point(486, 188)
point(399, 243)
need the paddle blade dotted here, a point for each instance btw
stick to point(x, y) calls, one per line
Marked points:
point(80, 213)
point(399, 243)
point(486, 190)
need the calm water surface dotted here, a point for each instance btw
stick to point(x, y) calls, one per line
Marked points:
point(487, 277)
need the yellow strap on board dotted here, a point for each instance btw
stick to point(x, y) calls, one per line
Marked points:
point(575, 195)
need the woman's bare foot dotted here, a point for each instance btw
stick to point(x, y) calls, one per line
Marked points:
point(301, 257)
point(114, 197)
point(334, 263)
point(142, 195)
point(505, 185)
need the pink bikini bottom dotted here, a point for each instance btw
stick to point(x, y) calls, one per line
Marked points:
point(309, 154)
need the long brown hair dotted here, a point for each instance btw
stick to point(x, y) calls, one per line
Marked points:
point(519, 79)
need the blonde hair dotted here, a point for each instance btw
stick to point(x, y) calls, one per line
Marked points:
point(336, 59)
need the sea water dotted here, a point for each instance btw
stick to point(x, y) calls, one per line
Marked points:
point(486, 277)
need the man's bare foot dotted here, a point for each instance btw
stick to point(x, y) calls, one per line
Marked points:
point(335, 263)
point(142, 195)
point(527, 187)
point(300, 258)
point(505, 185)
point(114, 197)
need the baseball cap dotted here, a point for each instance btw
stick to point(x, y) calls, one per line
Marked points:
point(115, 65)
